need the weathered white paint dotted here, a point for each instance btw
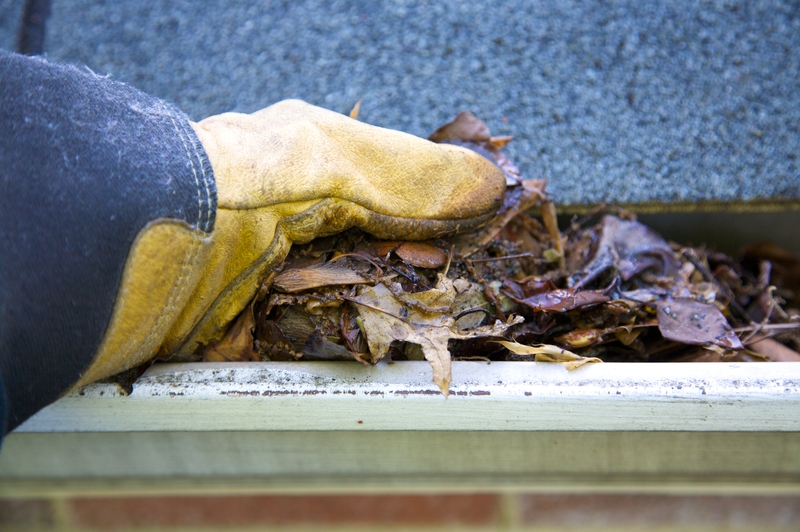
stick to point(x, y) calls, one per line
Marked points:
point(509, 396)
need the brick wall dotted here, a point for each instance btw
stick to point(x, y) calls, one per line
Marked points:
point(406, 512)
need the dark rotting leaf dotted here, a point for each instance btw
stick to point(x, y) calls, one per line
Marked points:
point(691, 322)
point(630, 248)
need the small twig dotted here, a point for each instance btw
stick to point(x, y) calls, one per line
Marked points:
point(472, 310)
point(489, 294)
point(509, 257)
point(771, 305)
point(708, 276)
point(550, 222)
point(768, 327)
point(775, 305)
point(388, 313)
point(471, 269)
point(449, 260)
point(577, 223)
point(357, 256)
point(415, 279)
point(757, 329)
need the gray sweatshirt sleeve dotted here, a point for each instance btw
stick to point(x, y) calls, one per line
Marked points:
point(85, 164)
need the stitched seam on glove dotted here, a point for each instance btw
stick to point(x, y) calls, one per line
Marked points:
point(279, 247)
point(207, 191)
point(178, 288)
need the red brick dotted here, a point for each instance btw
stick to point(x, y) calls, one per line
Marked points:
point(111, 513)
point(655, 510)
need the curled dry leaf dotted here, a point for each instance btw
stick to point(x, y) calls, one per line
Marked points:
point(466, 128)
point(581, 337)
point(630, 248)
point(550, 353)
point(469, 131)
point(355, 110)
point(387, 320)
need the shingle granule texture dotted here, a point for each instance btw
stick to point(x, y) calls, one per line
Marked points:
point(623, 102)
point(10, 17)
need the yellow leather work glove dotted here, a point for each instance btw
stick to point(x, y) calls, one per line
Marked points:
point(286, 174)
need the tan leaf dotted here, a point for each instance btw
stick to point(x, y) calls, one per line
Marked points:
point(498, 143)
point(549, 353)
point(329, 274)
point(356, 109)
point(628, 335)
point(387, 319)
point(438, 299)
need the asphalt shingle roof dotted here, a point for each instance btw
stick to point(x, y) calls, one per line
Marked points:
point(623, 101)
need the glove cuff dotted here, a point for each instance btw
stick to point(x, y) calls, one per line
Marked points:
point(160, 275)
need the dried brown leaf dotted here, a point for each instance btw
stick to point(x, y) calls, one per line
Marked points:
point(387, 319)
point(384, 247)
point(518, 200)
point(774, 350)
point(498, 143)
point(421, 254)
point(629, 247)
point(237, 344)
point(549, 353)
point(329, 274)
point(466, 127)
point(691, 322)
point(563, 299)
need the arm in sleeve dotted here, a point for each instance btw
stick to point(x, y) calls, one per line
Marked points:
point(85, 164)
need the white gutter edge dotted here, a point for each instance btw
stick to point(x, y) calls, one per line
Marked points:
point(501, 396)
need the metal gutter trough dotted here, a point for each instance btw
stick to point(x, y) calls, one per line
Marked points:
point(326, 426)
point(309, 427)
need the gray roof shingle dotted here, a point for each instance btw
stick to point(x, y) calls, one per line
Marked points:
point(625, 102)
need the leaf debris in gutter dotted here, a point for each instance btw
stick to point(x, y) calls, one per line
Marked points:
point(605, 288)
